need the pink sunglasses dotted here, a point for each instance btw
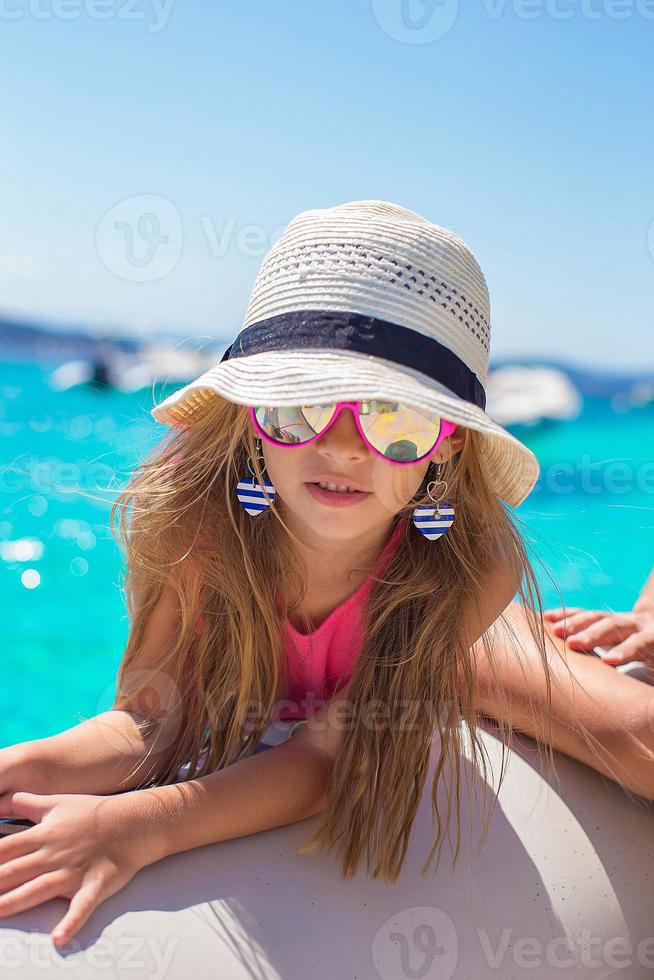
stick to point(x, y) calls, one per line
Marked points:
point(396, 432)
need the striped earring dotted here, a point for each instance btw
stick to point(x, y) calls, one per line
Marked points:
point(435, 521)
point(250, 492)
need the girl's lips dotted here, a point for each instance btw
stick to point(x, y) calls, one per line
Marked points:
point(334, 499)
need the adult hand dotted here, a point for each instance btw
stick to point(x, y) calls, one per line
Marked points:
point(630, 634)
point(80, 848)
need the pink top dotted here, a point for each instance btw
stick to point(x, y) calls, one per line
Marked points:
point(323, 660)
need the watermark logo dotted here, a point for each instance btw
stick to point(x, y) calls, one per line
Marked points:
point(140, 239)
point(415, 21)
point(567, 9)
point(125, 955)
point(251, 240)
point(426, 21)
point(610, 477)
point(153, 13)
point(419, 943)
point(148, 694)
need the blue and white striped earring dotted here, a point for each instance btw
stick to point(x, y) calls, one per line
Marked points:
point(250, 492)
point(435, 521)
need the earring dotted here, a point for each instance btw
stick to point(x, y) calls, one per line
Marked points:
point(250, 492)
point(436, 521)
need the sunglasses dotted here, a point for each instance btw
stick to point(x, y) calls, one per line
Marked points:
point(396, 432)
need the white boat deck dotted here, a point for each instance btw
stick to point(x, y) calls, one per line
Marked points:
point(562, 888)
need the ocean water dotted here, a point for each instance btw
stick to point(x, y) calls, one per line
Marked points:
point(589, 525)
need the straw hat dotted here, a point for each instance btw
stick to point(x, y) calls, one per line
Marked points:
point(366, 300)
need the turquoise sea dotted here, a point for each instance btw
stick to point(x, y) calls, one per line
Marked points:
point(589, 524)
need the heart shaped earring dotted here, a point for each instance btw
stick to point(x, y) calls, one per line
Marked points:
point(249, 491)
point(435, 521)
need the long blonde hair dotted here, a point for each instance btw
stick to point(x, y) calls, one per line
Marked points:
point(181, 525)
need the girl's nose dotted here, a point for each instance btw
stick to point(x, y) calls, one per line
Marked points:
point(342, 438)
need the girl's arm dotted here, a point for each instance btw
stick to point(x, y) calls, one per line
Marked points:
point(92, 757)
point(280, 786)
point(616, 709)
point(645, 601)
point(98, 754)
point(86, 848)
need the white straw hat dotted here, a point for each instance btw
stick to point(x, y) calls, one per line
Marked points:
point(366, 300)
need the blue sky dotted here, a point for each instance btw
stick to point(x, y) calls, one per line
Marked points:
point(523, 125)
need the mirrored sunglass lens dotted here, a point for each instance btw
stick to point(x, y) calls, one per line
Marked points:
point(397, 431)
point(294, 423)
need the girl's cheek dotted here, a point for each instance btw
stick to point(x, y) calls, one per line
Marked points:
point(395, 485)
point(407, 480)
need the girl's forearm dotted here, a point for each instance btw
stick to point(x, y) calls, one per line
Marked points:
point(587, 695)
point(97, 756)
point(645, 601)
point(279, 786)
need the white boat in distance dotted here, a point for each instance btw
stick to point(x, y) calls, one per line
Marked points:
point(525, 395)
point(157, 363)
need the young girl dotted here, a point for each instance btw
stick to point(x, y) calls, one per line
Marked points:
point(314, 552)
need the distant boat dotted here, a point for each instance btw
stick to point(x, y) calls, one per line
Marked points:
point(79, 372)
point(156, 364)
point(162, 364)
point(520, 395)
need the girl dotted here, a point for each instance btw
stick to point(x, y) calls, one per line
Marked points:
point(316, 553)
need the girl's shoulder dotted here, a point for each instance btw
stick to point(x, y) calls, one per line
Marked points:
point(502, 583)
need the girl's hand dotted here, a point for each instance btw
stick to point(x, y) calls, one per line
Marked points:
point(630, 633)
point(79, 849)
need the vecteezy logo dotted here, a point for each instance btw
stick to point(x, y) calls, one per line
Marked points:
point(140, 239)
point(148, 693)
point(416, 944)
point(415, 21)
